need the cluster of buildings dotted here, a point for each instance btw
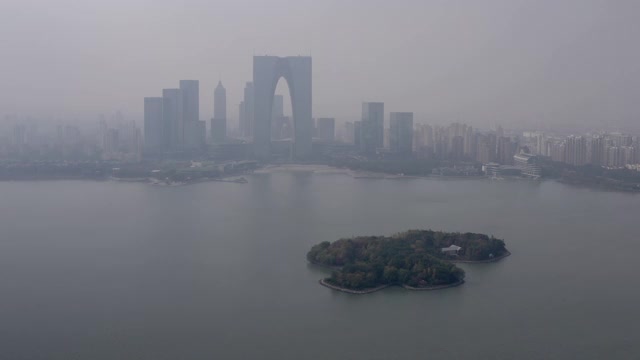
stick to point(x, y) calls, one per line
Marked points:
point(32, 139)
point(172, 125)
point(172, 122)
point(121, 141)
point(455, 142)
point(371, 138)
point(282, 127)
point(611, 150)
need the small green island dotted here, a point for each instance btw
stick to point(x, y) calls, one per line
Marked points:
point(414, 259)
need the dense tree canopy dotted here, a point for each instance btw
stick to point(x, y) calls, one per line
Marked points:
point(412, 258)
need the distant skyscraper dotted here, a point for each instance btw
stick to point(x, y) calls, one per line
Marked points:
point(194, 134)
point(220, 102)
point(153, 125)
point(190, 100)
point(401, 132)
point(278, 107)
point(246, 121)
point(279, 122)
point(372, 127)
point(194, 130)
point(172, 118)
point(326, 129)
point(219, 121)
point(296, 70)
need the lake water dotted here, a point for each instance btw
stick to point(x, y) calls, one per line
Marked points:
point(108, 270)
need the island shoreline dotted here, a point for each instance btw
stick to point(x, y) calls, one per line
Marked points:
point(481, 261)
point(382, 287)
point(407, 287)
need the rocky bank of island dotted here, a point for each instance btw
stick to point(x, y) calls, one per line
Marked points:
point(415, 260)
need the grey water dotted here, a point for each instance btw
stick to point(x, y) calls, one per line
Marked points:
point(108, 270)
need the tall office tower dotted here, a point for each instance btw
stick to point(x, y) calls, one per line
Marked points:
point(246, 122)
point(153, 126)
point(220, 102)
point(190, 100)
point(401, 132)
point(219, 121)
point(278, 120)
point(194, 134)
point(372, 127)
point(173, 124)
point(194, 129)
point(326, 129)
point(277, 111)
point(278, 125)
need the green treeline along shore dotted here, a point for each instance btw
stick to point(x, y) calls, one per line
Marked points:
point(415, 259)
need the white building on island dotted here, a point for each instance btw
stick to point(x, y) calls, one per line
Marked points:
point(451, 250)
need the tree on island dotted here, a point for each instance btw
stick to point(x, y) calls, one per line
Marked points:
point(413, 258)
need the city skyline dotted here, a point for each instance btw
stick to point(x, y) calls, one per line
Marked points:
point(445, 63)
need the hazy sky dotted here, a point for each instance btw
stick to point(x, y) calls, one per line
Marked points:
point(481, 62)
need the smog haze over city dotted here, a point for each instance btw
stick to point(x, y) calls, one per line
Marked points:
point(294, 179)
point(524, 63)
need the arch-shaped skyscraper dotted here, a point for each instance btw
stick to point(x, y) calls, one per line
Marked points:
point(296, 70)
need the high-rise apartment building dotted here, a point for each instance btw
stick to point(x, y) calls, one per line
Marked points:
point(597, 151)
point(576, 150)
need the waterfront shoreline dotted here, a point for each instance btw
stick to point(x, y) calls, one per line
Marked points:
point(382, 287)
